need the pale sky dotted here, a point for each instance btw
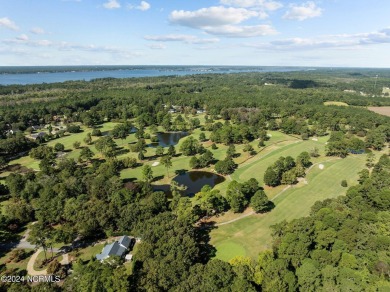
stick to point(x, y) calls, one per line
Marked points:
point(328, 33)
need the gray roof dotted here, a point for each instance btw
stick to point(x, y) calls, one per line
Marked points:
point(40, 134)
point(117, 248)
point(125, 241)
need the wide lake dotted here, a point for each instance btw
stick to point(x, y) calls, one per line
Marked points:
point(51, 74)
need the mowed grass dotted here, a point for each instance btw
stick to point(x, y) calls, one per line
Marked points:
point(338, 103)
point(257, 166)
point(253, 233)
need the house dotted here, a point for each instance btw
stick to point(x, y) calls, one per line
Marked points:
point(37, 136)
point(117, 248)
point(36, 127)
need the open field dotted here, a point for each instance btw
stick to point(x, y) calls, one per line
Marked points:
point(382, 110)
point(338, 103)
point(253, 232)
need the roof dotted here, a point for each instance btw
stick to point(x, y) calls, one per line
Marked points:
point(38, 135)
point(117, 248)
point(125, 241)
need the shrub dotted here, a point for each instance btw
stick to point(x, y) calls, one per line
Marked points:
point(96, 132)
point(59, 147)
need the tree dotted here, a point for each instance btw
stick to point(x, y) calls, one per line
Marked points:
point(96, 132)
point(206, 159)
point(59, 147)
point(261, 143)
point(19, 210)
point(202, 137)
point(39, 236)
point(194, 162)
point(370, 160)
point(314, 152)
point(106, 146)
point(344, 183)
point(88, 139)
point(190, 146)
point(86, 154)
point(304, 159)
point(235, 197)
point(3, 162)
point(147, 174)
point(225, 166)
point(171, 151)
point(289, 177)
point(141, 148)
point(271, 177)
point(231, 151)
point(166, 161)
point(76, 145)
point(259, 202)
point(159, 151)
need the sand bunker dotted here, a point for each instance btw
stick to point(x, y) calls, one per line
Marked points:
point(321, 166)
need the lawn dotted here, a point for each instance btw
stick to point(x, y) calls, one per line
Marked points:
point(253, 233)
point(89, 252)
point(21, 265)
point(338, 103)
point(41, 258)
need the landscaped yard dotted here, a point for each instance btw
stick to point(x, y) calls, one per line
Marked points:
point(21, 265)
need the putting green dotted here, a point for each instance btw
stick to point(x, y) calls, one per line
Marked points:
point(229, 250)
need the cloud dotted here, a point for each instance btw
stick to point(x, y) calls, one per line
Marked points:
point(112, 4)
point(189, 39)
point(22, 37)
point(222, 21)
point(157, 46)
point(37, 30)
point(235, 31)
point(143, 6)
point(65, 46)
point(305, 11)
point(8, 23)
point(264, 4)
point(342, 41)
point(212, 16)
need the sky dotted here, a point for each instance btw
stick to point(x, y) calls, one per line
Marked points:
point(323, 33)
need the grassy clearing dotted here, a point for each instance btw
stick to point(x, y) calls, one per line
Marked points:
point(338, 103)
point(257, 166)
point(229, 249)
point(382, 110)
point(253, 232)
point(41, 257)
point(89, 252)
point(21, 265)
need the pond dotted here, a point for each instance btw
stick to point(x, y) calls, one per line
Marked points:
point(168, 139)
point(195, 180)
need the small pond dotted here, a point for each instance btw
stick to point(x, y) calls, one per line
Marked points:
point(195, 180)
point(168, 139)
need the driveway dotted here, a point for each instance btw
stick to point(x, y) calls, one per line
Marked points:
point(30, 265)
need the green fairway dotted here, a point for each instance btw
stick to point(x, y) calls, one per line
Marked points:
point(253, 232)
point(230, 249)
